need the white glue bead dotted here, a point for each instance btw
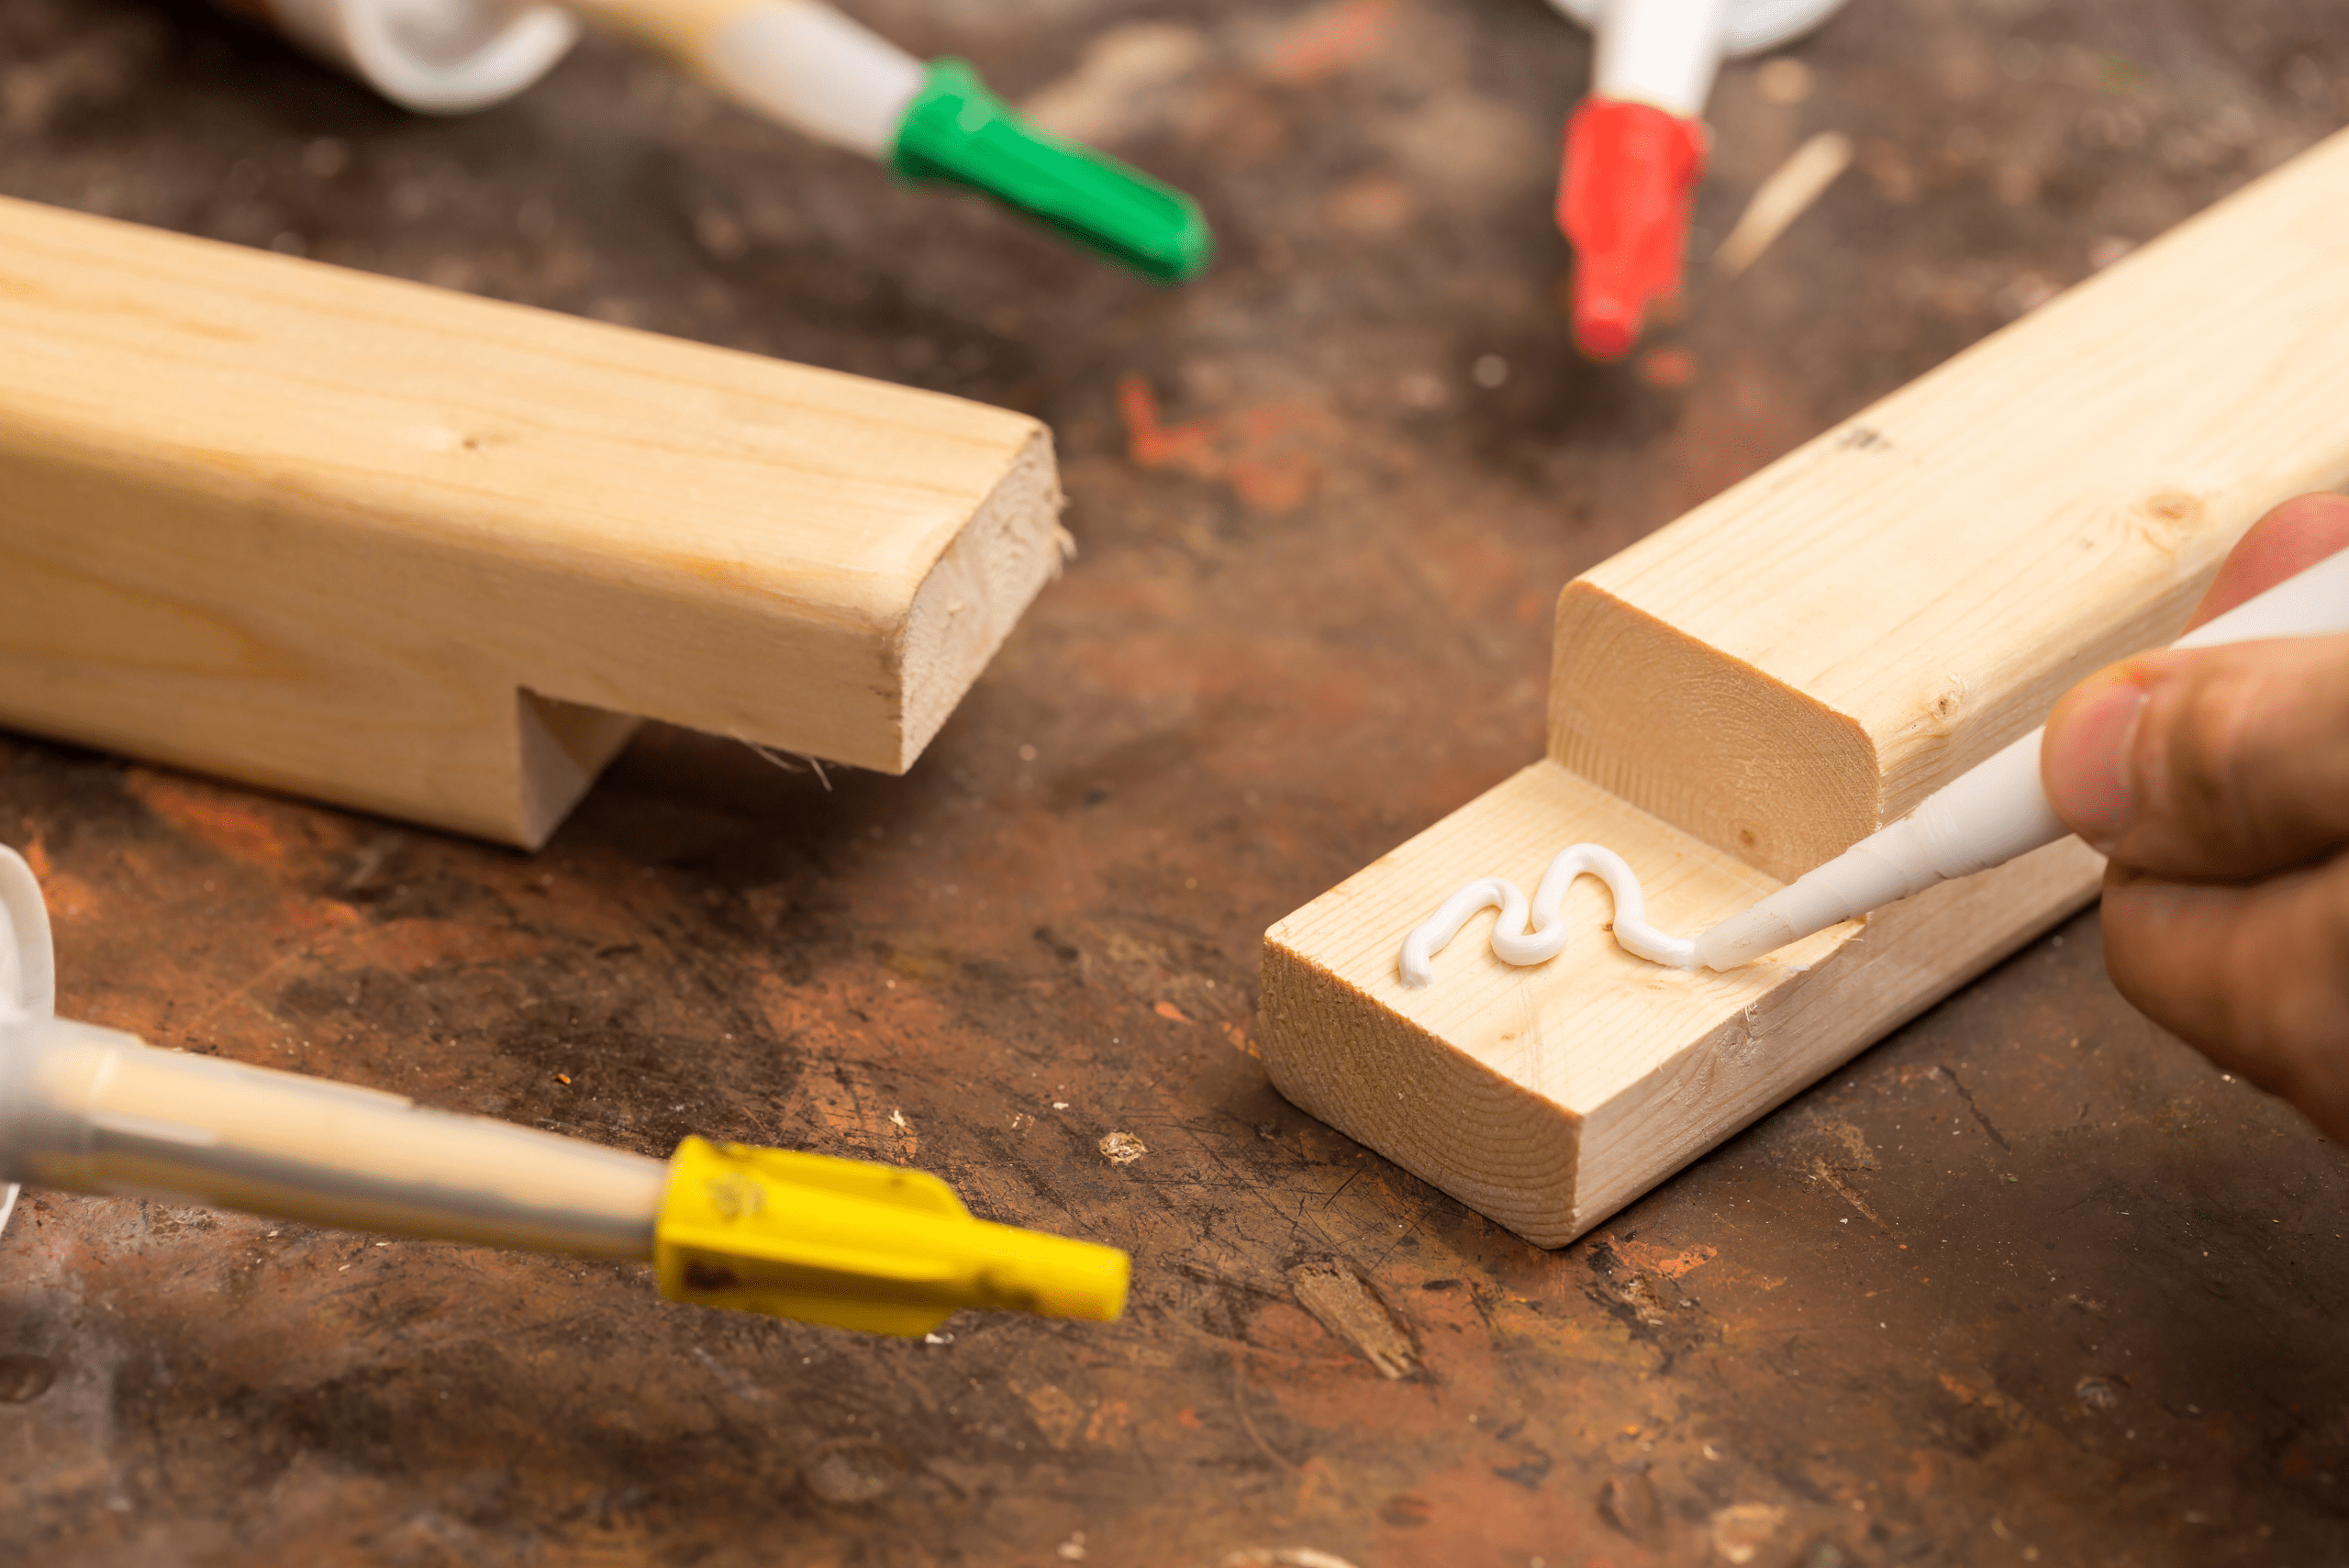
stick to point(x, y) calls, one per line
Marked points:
point(1538, 934)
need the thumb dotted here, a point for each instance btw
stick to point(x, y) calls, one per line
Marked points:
point(2209, 764)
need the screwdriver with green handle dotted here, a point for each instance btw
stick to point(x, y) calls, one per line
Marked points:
point(792, 1235)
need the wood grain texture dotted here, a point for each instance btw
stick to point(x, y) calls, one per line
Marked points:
point(1547, 1097)
point(1802, 659)
point(430, 555)
point(1795, 664)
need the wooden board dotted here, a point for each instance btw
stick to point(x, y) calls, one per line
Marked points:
point(1547, 1097)
point(1752, 689)
point(431, 556)
point(1821, 646)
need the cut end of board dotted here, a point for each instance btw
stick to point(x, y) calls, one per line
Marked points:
point(1376, 1075)
point(984, 582)
point(1648, 713)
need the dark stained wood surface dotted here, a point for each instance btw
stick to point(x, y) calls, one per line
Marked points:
point(2028, 1282)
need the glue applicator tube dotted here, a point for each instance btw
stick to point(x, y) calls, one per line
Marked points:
point(94, 1110)
point(798, 63)
point(1636, 146)
point(1660, 52)
point(1997, 810)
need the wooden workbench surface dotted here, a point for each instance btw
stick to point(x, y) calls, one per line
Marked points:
point(2028, 1282)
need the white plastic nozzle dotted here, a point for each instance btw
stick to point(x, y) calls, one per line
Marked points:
point(1991, 814)
point(806, 66)
point(1660, 53)
point(1996, 810)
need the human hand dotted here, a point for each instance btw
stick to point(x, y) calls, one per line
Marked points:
point(2216, 780)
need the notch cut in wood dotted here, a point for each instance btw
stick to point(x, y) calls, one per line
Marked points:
point(1795, 664)
point(433, 556)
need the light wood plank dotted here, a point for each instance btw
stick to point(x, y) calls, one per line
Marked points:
point(1806, 656)
point(429, 555)
point(1795, 664)
point(1547, 1097)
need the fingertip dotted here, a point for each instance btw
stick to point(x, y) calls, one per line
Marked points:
point(2289, 540)
point(2085, 761)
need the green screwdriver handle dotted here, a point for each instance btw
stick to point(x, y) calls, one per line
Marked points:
point(958, 131)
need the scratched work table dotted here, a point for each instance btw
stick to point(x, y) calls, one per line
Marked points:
point(2030, 1282)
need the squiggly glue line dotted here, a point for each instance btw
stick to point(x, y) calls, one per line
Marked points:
point(1517, 939)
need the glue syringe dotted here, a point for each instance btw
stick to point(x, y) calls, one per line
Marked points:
point(1636, 146)
point(864, 1246)
point(1997, 810)
point(799, 63)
